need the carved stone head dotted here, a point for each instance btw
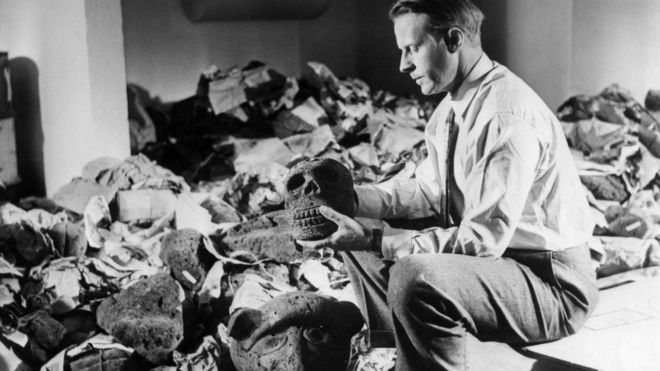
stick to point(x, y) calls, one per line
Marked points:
point(295, 331)
point(313, 183)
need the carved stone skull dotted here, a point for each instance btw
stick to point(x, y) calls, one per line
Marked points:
point(313, 183)
point(295, 331)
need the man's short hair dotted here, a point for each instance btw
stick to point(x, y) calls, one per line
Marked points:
point(443, 15)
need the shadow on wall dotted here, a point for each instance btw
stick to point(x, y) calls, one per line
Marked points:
point(29, 131)
point(494, 29)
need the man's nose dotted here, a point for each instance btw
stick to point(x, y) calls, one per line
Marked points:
point(405, 66)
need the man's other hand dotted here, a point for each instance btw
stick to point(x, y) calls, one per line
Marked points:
point(349, 236)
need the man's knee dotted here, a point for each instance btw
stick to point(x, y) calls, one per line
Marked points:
point(407, 280)
point(403, 278)
point(423, 281)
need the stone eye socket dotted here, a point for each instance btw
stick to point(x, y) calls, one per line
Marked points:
point(316, 335)
point(296, 181)
point(270, 344)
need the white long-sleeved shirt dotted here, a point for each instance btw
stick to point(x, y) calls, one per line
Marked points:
point(514, 182)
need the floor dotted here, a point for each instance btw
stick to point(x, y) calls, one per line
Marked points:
point(501, 357)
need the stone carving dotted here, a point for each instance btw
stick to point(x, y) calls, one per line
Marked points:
point(269, 235)
point(294, 331)
point(313, 183)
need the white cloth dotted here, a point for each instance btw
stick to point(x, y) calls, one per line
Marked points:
point(515, 184)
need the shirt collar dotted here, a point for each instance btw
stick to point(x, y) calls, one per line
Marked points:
point(468, 88)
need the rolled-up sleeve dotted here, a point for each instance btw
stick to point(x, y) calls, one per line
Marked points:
point(496, 191)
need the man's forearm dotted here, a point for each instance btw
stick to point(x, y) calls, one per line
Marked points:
point(401, 199)
point(369, 202)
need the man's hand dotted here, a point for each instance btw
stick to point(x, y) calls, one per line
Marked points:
point(350, 235)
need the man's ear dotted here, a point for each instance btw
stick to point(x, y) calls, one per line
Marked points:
point(454, 39)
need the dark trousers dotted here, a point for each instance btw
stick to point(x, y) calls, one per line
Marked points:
point(431, 301)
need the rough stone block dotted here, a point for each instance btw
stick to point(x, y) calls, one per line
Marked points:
point(145, 316)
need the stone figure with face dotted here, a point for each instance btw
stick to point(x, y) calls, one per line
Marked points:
point(313, 183)
point(295, 331)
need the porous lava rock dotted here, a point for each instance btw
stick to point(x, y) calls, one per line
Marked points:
point(145, 316)
point(184, 252)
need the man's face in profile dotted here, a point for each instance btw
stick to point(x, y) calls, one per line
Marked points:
point(424, 57)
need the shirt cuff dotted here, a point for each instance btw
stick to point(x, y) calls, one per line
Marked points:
point(397, 243)
point(424, 243)
point(369, 201)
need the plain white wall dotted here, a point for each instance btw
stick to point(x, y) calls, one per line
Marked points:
point(616, 41)
point(107, 79)
point(563, 48)
point(538, 46)
point(75, 49)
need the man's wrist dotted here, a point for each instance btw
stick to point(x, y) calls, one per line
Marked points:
point(376, 240)
point(397, 243)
